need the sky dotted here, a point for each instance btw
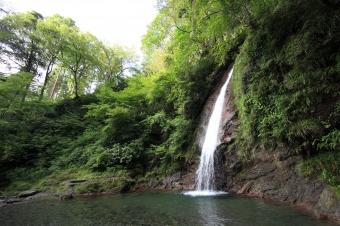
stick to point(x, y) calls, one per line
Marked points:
point(114, 21)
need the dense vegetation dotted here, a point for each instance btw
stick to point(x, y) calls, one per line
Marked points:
point(74, 107)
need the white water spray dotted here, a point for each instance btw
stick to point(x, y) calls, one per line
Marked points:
point(205, 181)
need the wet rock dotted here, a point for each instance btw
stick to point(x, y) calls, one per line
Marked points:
point(10, 201)
point(282, 154)
point(168, 181)
point(27, 193)
point(153, 183)
point(245, 188)
point(230, 127)
point(65, 197)
point(42, 195)
point(188, 181)
point(2, 202)
point(219, 172)
point(178, 185)
point(260, 171)
point(275, 176)
point(67, 194)
point(329, 202)
point(236, 167)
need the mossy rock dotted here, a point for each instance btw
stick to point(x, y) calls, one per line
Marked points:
point(27, 193)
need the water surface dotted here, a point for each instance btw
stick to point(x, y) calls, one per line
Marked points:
point(158, 208)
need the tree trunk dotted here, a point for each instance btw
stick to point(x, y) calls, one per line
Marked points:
point(28, 68)
point(48, 72)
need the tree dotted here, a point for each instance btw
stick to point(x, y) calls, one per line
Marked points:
point(113, 62)
point(79, 58)
point(13, 131)
point(19, 43)
point(52, 32)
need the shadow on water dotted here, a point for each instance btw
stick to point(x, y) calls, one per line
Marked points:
point(157, 208)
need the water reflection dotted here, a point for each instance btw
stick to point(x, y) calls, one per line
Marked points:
point(209, 211)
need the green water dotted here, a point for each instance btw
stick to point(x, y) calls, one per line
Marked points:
point(157, 208)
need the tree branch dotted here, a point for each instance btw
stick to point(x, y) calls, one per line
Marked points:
point(210, 14)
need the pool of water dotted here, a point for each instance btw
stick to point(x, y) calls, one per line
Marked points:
point(158, 208)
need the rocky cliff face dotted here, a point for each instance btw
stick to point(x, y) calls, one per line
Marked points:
point(272, 173)
point(269, 174)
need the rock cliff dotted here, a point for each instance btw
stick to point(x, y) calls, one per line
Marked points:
point(268, 173)
point(271, 174)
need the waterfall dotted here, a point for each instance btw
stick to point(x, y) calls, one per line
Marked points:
point(205, 181)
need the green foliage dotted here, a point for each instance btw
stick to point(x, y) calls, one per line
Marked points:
point(37, 135)
point(17, 117)
point(120, 182)
point(141, 123)
point(74, 63)
point(117, 157)
point(20, 179)
point(324, 165)
point(286, 75)
point(285, 87)
point(120, 126)
point(173, 150)
point(18, 42)
point(331, 141)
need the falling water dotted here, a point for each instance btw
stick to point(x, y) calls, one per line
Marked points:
point(205, 181)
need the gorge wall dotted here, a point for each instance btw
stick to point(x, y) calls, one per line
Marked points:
point(271, 174)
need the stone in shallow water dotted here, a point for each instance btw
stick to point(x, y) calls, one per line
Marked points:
point(13, 200)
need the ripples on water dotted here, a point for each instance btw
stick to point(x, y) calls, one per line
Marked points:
point(158, 208)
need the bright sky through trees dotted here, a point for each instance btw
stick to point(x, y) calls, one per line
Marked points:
point(116, 21)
